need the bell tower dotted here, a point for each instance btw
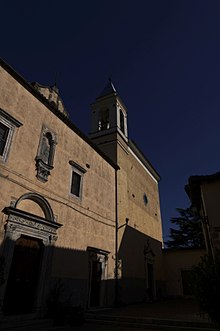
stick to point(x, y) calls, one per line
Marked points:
point(109, 121)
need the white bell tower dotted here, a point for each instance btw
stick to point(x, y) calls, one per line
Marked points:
point(109, 114)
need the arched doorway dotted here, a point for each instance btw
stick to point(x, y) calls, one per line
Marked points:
point(30, 234)
point(24, 275)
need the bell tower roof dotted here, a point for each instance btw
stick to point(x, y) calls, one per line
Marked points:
point(109, 89)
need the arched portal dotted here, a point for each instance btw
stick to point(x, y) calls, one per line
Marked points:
point(30, 234)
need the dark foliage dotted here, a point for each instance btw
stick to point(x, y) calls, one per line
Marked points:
point(55, 308)
point(206, 286)
point(188, 231)
point(61, 310)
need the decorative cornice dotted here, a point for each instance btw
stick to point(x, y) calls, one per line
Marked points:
point(97, 250)
point(77, 166)
point(31, 220)
point(43, 170)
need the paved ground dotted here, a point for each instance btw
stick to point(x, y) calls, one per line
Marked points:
point(104, 327)
point(90, 327)
point(178, 309)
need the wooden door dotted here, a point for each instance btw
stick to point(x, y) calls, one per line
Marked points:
point(96, 276)
point(23, 276)
point(150, 274)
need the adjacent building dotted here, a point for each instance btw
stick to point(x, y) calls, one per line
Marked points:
point(204, 192)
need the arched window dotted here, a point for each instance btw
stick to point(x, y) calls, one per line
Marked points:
point(45, 155)
point(104, 123)
point(122, 121)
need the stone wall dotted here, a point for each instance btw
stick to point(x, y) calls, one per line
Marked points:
point(87, 221)
point(175, 263)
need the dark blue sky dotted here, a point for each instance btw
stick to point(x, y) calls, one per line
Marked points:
point(163, 57)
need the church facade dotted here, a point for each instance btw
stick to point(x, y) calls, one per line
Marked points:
point(77, 212)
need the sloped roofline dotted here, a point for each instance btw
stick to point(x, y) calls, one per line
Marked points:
point(108, 91)
point(61, 116)
point(136, 150)
point(204, 178)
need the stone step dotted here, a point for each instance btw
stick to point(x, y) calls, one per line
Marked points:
point(150, 323)
point(28, 323)
point(25, 324)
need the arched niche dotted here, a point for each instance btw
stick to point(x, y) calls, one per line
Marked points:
point(45, 154)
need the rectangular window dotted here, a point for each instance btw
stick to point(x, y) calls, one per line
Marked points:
point(75, 186)
point(4, 131)
point(7, 127)
point(76, 179)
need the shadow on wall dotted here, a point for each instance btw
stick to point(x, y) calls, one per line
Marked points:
point(36, 278)
point(139, 267)
point(34, 265)
point(38, 275)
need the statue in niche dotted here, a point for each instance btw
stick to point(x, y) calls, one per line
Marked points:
point(44, 159)
point(46, 146)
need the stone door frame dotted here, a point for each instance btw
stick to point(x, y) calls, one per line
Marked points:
point(21, 223)
point(101, 256)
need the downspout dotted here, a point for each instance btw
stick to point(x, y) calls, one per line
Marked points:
point(207, 236)
point(116, 237)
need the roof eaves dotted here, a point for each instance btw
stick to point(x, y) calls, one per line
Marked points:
point(61, 116)
point(193, 188)
point(142, 158)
